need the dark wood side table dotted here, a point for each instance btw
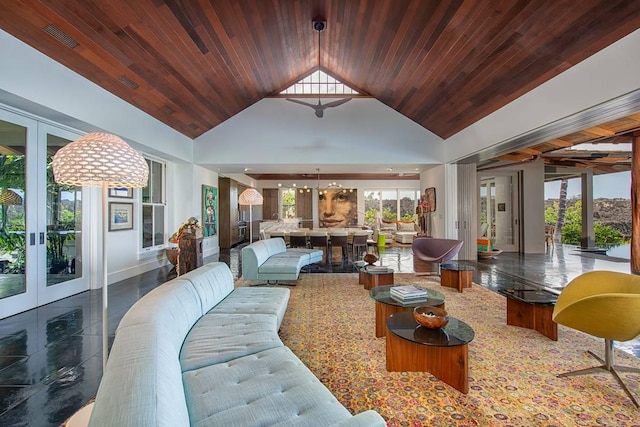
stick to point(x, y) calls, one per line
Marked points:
point(456, 276)
point(371, 279)
point(532, 309)
point(442, 352)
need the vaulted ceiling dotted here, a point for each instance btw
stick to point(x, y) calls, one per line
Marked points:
point(193, 64)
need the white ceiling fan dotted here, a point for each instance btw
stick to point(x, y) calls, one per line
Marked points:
point(319, 25)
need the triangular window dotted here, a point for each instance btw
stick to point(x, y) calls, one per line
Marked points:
point(319, 83)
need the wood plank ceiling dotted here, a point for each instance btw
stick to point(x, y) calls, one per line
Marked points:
point(193, 64)
point(559, 152)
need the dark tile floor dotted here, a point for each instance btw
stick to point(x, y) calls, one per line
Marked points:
point(51, 358)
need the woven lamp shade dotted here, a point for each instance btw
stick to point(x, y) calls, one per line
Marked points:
point(10, 197)
point(250, 196)
point(98, 159)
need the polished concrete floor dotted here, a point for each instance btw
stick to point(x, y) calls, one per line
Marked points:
point(51, 359)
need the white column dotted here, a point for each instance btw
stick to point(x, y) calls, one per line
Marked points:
point(587, 238)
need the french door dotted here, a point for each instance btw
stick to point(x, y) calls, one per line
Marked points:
point(499, 210)
point(42, 247)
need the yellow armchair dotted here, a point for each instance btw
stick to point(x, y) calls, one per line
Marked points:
point(604, 304)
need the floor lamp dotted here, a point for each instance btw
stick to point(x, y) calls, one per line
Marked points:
point(250, 197)
point(106, 161)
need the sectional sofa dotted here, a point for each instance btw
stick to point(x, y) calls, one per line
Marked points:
point(270, 260)
point(197, 352)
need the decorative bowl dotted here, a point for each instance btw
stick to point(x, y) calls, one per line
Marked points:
point(431, 317)
point(370, 258)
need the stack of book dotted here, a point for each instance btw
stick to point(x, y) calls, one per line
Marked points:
point(408, 293)
point(378, 269)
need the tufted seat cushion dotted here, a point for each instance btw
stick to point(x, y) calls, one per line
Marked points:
point(218, 338)
point(262, 389)
point(255, 301)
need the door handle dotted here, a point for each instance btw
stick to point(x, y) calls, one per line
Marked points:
point(42, 238)
point(32, 239)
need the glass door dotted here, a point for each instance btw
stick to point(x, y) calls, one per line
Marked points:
point(40, 222)
point(498, 207)
point(17, 136)
point(61, 220)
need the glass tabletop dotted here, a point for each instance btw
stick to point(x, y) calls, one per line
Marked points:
point(382, 294)
point(455, 333)
point(376, 270)
point(457, 267)
point(531, 296)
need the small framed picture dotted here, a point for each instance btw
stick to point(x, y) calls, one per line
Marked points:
point(120, 216)
point(122, 193)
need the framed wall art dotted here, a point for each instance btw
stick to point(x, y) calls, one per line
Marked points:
point(122, 193)
point(430, 198)
point(337, 207)
point(120, 216)
point(209, 211)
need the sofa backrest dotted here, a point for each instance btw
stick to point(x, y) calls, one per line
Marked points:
point(142, 385)
point(213, 282)
point(255, 254)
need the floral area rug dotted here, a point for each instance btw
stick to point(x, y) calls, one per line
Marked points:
point(330, 326)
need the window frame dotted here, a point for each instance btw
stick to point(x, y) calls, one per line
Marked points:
point(163, 203)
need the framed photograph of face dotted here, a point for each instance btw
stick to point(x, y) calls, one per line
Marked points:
point(337, 207)
point(120, 216)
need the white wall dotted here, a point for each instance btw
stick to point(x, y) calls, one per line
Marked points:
point(361, 132)
point(533, 207)
point(202, 176)
point(435, 177)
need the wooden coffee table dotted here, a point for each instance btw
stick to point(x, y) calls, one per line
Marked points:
point(442, 352)
point(386, 306)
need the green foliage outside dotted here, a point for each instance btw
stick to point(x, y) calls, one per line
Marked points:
point(63, 215)
point(572, 230)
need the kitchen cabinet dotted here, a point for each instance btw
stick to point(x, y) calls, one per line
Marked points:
point(228, 214)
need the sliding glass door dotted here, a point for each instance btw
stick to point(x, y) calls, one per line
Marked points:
point(41, 240)
point(498, 207)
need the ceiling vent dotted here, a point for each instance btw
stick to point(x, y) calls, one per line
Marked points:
point(61, 36)
point(128, 82)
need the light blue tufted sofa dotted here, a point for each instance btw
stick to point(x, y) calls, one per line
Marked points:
point(270, 260)
point(197, 352)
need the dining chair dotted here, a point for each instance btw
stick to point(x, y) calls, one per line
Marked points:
point(320, 239)
point(359, 243)
point(372, 242)
point(340, 239)
point(298, 239)
point(279, 233)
